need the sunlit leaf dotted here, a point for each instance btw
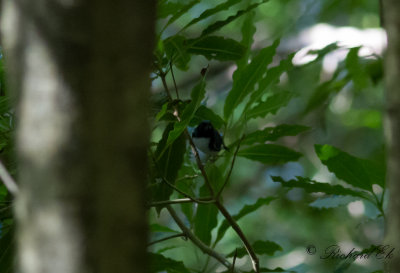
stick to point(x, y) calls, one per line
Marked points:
point(244, 80)
point(358, 172)
point(312, 186)
point(271, 105)
point(269, 154)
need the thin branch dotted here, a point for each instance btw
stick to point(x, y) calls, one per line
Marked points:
point(174, 187)
point(231, 168)
point(203, 247)
point(167, 238)
point(199, 163)
point(220, 207)
point(234, 260)
point(173, 78)
point(235, 226)
point(205, 200)
point(8, 181)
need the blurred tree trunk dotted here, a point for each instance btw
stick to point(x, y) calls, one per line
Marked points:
point(391, 11)
point(80, 71)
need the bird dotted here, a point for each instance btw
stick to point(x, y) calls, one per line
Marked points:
point(207, 139)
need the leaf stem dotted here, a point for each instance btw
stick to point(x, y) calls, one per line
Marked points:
point(167, 238)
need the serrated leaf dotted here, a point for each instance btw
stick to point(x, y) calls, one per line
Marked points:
point(272, 77)
point(270, 106)
point(197, 96)
point(166, 8)
point(269, 154)
point(160, 263)
point(178, 13)
point(259, 247)
point(273, 133)
point(207, 13)
point(206, 219)
point(176, 51)
point(160, 228)
point(205, 113)
point(247, 209)
point(264, 269)
point(248, 30)
point(311, 186)
point(358, 172)
point(219, 24)
point(333, 201)
point(244, 80)
point(217, 48)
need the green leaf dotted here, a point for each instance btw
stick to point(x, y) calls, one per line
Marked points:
point(178, 13)
point(175, 49)
point(333, 201)
point(259, 247)
point(206, 219)
point(358, 172)
point(264, 269)
point(197, 96)
point(160, 228)
point(272, 77)
point(356, 70)
point(166, 8)
point(274, 133)
point(248, 30)
point(324, 91)
point(271, 105)
point(207, 13)
point(215, 47)
point(169, 160)
point(159, 263)
point(244, 80)
point(269, 154)
point(219, 24)
point(205, 113)
point(7, 251)
point(311, 186)
point(243, 212)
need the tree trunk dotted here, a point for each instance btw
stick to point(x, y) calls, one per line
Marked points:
point(391, 11)
point(80, 71)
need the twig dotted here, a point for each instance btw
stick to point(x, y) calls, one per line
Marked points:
point(235, 226)
point(234, 260)
point(230, 170)
point(8, 181)
point(175, 188)
point(203, 247)
point(205, 200)
point(173, 78)
point(167, 238)
point(220, 207)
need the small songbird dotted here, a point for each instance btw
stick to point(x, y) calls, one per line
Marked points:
point(207, 139)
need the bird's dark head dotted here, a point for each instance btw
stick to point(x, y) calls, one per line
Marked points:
point(204, 129)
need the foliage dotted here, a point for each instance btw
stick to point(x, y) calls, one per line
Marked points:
point(275, 116)
point(266, 88)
